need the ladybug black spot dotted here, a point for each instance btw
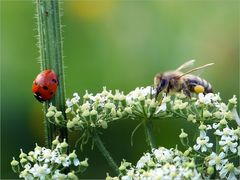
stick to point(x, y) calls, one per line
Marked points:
point(54, 80)
point(51, 93)
point(45, 87)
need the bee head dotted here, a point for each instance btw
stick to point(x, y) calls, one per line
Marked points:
point(157, 79)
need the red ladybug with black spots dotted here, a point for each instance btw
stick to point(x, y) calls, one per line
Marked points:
point(45, 85)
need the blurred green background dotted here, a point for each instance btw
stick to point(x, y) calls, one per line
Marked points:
point(121, 45)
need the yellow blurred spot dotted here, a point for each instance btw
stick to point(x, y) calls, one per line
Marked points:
point(199, 89)
point(90, 10)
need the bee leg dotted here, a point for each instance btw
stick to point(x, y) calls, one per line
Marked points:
point(186, 90)
point(161, 87)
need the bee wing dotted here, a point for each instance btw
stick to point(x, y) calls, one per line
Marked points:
point(186, 65)
point(196, 69)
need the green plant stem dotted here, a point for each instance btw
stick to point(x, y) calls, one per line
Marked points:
point(50, 46)
point(105, 152)
point(148, 127)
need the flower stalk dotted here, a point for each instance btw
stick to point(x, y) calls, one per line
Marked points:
point(50, 46)
point(105, 152)
point(148, 128)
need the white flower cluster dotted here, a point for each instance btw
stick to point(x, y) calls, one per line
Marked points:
point(91, 111)
point(99, 110)
point(105, 107)
point(44, 163)
point(217, 157)
point(162, 163)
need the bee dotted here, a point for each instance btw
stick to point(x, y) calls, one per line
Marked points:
point(177, 81)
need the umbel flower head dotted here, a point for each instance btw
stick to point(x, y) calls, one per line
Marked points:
point(216, 143)
point(43, 163)
point(161, 163)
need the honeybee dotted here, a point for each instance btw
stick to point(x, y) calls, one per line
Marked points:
point(178, 81)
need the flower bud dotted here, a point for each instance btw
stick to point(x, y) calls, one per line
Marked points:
point(202, 126)
point(93, 114)
point(232, 102)
point(206, 114)
point(72, 176)
point(113, 112)
point(230, 167)
point(70, 124)
point(58, 114)
point(72, 155)
point(151, 164)
point(22, 154)
point(75, 120)
point(187, 152)
point(50, 114)
point(52, 108)
point(64, 146)
point(119, 113)
point(15, 165)
point(86, 113)
point(141, 98)
point(128, 110)
point(223, 122)
point(229, 115)
point(68, 110)
point(103, 124)
point(55, 142)
point(183, 134)
point(192, 118)
point(84, 163)
point(217, 114)
point(23, 161)
point(210, 170)
point(122, 168)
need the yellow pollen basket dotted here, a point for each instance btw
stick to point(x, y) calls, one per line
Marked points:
point(199, 89)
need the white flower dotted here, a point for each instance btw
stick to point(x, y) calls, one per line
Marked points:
point(47, 155)
point(217, 160)
point(229, 168)
point(163, 108)
point(69, 103)
point(233, 100)
point(26, 175)
point(65, 161)
point(204, 99)
point(143, 160)
point(178, 104)
point(227, 132)
point(57, 175)
point(206, 114)
point(139, 93)
point(39, 171)
point(85, 106)
point(163, 155)
point(202, 142)
point(227, 143)
point(75, 98)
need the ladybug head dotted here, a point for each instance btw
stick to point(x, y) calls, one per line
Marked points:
point(38, 96)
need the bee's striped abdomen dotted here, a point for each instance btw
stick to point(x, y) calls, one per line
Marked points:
point(193, 81)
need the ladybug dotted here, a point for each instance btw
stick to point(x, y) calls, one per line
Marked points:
point(45, 85)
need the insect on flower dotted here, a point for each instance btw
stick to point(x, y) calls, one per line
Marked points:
point(45, 85)
point(177, 81)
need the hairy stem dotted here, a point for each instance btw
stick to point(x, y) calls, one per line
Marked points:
point(50, 46)
point(105, 152)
